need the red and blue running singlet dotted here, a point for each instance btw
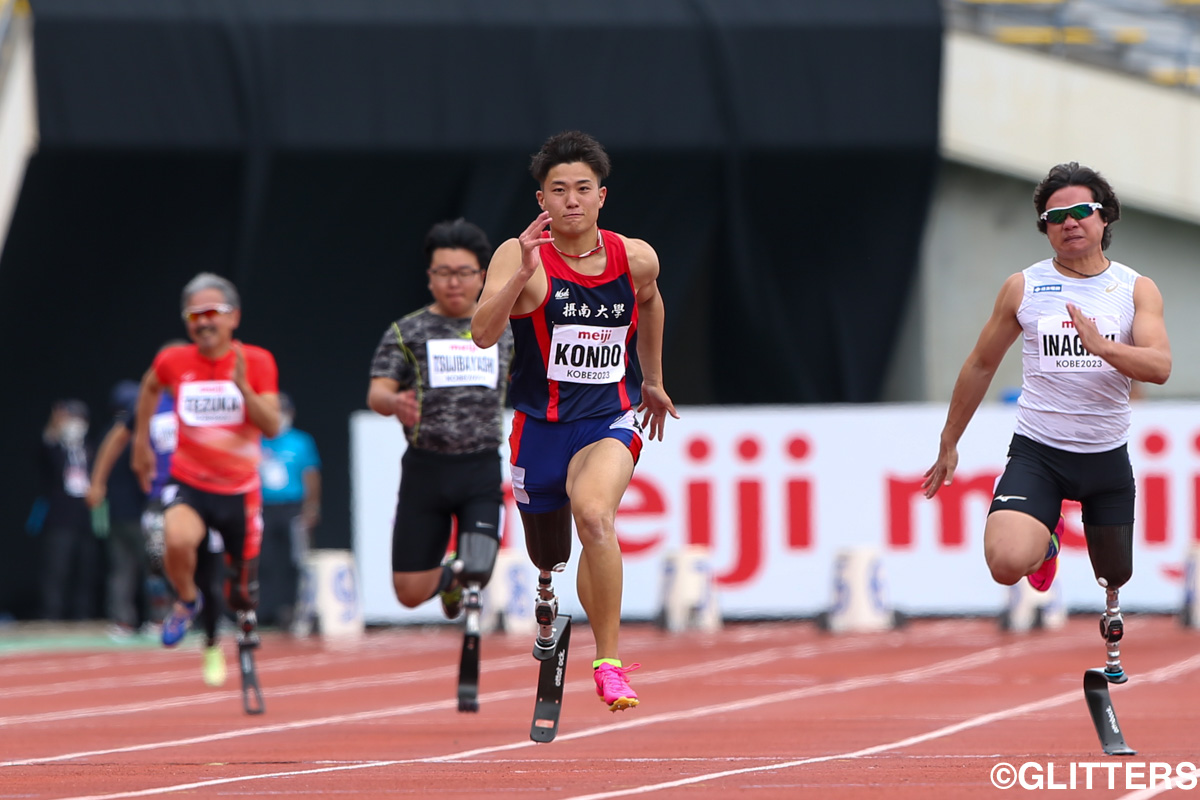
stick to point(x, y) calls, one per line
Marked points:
point(575, 355)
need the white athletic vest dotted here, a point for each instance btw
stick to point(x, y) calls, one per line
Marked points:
point(1071, 399)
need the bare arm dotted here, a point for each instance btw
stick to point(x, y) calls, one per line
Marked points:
point(141, 455)
point(110, 449)
point(385, 397)
point(644, 265)
point(261, 409)
point(999, 332)
point(508, 287)
point(1149, 357)
point(311, 508)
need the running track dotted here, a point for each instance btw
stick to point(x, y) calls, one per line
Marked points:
point(764, 710)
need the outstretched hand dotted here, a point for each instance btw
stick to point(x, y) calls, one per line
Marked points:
point(657, 405)
point(531, 239)
point(942, 471)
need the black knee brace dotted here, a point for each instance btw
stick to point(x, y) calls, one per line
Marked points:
point(243, 585)
point(476, 557)
point(548, 538)
point(1110, 547)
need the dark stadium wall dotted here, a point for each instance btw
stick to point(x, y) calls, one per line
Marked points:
point(780, 158)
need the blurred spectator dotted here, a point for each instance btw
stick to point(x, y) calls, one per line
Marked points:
point(115, 487)
point(291, 489)
point(69, 550)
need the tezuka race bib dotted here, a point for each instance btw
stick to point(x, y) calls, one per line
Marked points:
point(587, 354)
point(1060, 349)
point(207, 403)
point(458, 362)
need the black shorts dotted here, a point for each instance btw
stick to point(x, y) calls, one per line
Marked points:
point(1038, 478)
point(436, 489)
point(237, 517)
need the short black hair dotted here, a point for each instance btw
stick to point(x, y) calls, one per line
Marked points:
point(570, 147)
point(1072, 174)
point(458, 235)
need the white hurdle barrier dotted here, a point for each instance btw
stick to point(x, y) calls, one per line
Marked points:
point(1190, 613)
point(687, 591)
point(860, 603)
point(330, 594)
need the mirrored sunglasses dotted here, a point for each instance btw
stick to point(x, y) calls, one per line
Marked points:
point(1078, 211)
point(462, 273)
point(196, 313)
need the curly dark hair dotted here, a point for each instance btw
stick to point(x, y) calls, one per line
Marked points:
point(1072, 174)
point(570, 147)
point(459, 235)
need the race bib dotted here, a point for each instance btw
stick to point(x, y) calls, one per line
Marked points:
point(164, 432)
point(458, 362)
point(1060, 349)
point(587, 354)
point(208, 403)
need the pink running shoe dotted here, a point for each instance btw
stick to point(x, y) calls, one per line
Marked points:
point(613, 687)
point(1044, 576)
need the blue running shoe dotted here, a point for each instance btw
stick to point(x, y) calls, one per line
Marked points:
point(176, 625)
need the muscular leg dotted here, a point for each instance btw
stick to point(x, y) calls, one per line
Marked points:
point(596, 478)
point(183, 531)
point(1014, 545)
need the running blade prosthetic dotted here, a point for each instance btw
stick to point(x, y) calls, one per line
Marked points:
point(552, 677)
point(1095, 690)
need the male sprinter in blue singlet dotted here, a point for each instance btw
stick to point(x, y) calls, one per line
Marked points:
point(587, 323)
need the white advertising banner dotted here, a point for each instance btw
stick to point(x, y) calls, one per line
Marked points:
point(776, 492)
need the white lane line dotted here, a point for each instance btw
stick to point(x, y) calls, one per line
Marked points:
point(1156, 676)
point(904, 676)
point(433, 673)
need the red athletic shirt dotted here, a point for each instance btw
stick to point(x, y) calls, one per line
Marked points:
point(219, 448)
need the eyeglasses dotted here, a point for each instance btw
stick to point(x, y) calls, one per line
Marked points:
point(196, 313)
point(462, 273)
point(1079, 211)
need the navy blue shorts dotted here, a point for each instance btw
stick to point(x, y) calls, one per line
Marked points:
point(541, 452)
point(1038, 478)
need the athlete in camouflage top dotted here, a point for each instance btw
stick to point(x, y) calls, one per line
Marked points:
point(455, 418)
point(449, 396)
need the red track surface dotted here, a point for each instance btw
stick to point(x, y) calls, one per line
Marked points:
point(767, 710)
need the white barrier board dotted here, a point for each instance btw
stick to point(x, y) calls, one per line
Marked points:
point(775, 492)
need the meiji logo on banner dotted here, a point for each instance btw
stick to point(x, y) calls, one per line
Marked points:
point(1028, 609)
point(688, 591)
point(859, 602)
point(509, 596)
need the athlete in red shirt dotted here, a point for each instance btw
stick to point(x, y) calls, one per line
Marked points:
point(226, 399)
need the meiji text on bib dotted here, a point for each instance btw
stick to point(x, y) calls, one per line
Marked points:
point(1060, 349)
point(458, 362)
point(587, 354)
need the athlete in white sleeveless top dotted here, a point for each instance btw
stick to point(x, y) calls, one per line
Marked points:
point(1071, 399)
point(1090, 326)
